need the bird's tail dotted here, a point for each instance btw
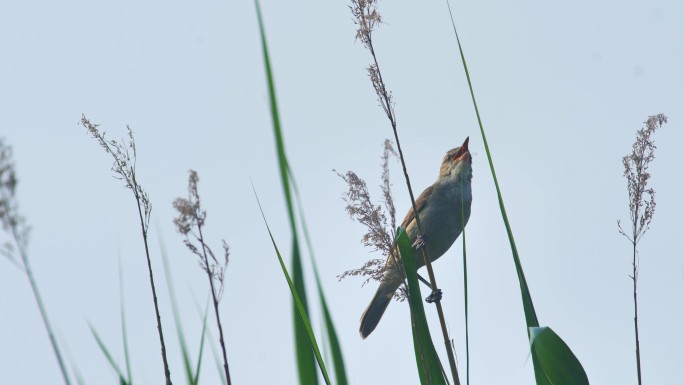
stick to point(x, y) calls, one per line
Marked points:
point(374, 311)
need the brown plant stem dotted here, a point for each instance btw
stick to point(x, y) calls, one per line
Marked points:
point(167, 372)
point(216, 304)
point(636, 316)
point(41, 307)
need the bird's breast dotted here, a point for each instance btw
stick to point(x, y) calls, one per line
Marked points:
point(443, 218)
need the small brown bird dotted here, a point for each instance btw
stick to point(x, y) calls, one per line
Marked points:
point(439, 209)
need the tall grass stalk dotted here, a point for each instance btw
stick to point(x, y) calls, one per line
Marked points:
point(124, 154)
point(190, 222)
point(641, 205)
point(15, 225)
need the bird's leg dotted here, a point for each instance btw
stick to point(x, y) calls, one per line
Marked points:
point(425, 281)
point(436, 295)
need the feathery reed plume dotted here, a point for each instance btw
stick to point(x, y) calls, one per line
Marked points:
point(15, 225)
point(361, 208)
point(189, 223)
point(125, 156)
point(641, 204)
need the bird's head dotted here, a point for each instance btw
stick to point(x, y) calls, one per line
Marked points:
point(457, 163)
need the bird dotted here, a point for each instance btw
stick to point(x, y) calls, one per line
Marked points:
point(439, 209)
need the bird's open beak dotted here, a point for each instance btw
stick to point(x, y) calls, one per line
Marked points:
point(462, 151)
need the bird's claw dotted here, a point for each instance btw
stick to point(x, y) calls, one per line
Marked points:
point(436, 296)
point(419, 242)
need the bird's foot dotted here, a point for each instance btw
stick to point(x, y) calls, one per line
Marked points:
point(419, 242)
point(436, 296)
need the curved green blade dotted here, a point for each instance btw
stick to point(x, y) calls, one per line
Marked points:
point(558, 363)
point(427, 360)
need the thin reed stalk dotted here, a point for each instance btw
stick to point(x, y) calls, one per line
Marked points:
point(641, 206)
point(15, 224)
point(125, 157)
point(189, 223)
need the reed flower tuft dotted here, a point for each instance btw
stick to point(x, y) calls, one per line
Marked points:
point(125, 157)
point(367, 18)
point(641, 197)
point(360, 207)
point(189, 222)
point(12, 221)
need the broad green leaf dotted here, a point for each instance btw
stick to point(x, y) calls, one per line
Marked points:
point(427, 360)
point(558, 363)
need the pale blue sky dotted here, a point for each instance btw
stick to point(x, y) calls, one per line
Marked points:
point(562, 88)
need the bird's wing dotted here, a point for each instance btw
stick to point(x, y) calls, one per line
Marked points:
point(420, 204)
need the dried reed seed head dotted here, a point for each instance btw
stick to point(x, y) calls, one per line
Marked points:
point(367, 18)
point(125, 157)
point(641, 197)
point(184, 220)
point(373, 217)
point(12, 221)
point(8, 185)
point(190, 215)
